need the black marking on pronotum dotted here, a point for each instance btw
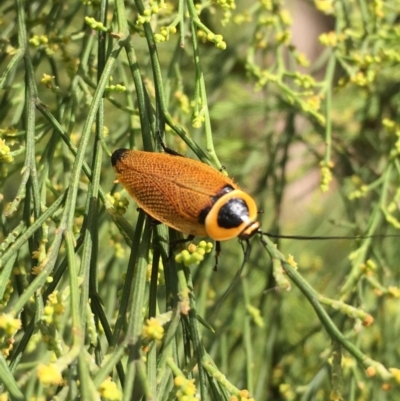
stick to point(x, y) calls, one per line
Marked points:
point(231, 214)
point(203, 214)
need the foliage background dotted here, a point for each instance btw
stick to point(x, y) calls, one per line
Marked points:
point(315, 139)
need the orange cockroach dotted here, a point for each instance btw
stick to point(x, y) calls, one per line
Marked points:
point(186, 195)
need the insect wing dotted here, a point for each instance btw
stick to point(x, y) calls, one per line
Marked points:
point(172, 189)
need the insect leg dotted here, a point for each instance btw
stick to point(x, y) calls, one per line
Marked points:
point(217, 253)
point(165, 148)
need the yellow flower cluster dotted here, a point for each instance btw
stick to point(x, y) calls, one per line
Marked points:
point(326, 175)
point(227, 4)
point(49, 374)
point(183, 100)
point(154, 8)
point(119, 250)
point(329, 39)
point(394, 291)
point(7, 294)
point(325, 6)
point(396, 374)
point(8, 326)
point(303, 80)
point(47, 80)
point(38, 40)
point(302, 59)
point(95, 25)
point(41, 256)
point(263, 78)
point(109, 390)
point(194, 254)
point(198, 119)
point(244, 396)
point(291, 261)
point(153, 330)
point(54, 307)
point(242, 18)
point(119, 202)
point(369, 266)
point(218, 40)
point(116, 88)
point(5, 152)
point(363, 79)
point(186, 389)
point(163, 36)
point(361, 190)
